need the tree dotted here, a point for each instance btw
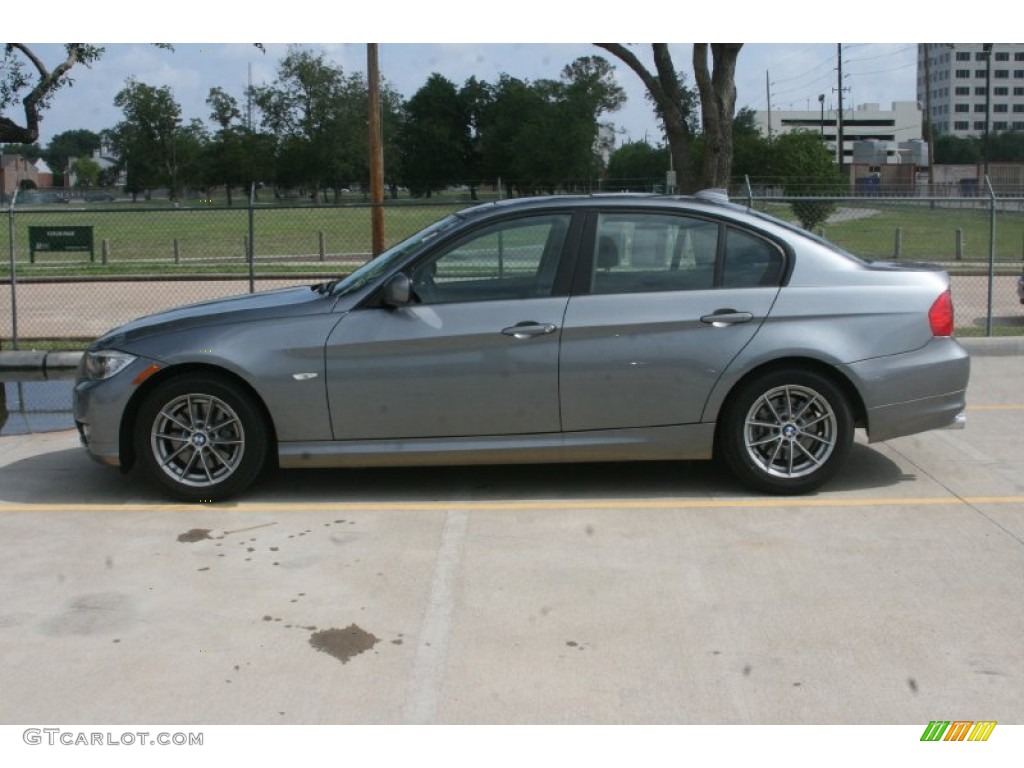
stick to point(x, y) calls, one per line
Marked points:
point(68, 144)
point(87, 171)
point(475, 96)
point(31, 152)
point(806, 168)
point(542, 135)
point(717, 88)
point(320, 115)
point(147, 139)
point(225, 154)
point(751, 151)
point(954, 150)
point(637, 165)
point(1007, 146)
point(435, 142)
point(23, 70)
point(717, 91)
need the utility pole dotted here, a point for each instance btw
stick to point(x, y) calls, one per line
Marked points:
point(768, 93)
point(930, 132)
point(839, 119)
point(987, 47)
point(376, 149)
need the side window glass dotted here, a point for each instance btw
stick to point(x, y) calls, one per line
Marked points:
point(640, 252)
point(512, 260)
point(750, 262)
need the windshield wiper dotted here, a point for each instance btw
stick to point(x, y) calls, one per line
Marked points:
point(323, 288)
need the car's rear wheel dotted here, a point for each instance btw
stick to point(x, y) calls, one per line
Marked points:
point(201, 437)
point(787, 431)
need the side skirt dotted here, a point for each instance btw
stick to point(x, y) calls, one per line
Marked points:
point(694, 441)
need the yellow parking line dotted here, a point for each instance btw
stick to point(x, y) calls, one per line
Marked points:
point(560, 504)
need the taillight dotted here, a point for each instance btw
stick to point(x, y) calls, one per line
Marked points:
point(940, 316)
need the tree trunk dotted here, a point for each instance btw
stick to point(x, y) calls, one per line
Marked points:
point(717, 106)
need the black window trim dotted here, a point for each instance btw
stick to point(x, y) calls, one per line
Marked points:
point(581, 281)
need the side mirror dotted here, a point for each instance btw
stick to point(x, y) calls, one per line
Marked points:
point(398, 291)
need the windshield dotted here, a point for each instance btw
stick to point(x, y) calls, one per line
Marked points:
point(373, 269)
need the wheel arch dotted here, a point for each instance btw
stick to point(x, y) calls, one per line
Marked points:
point(126, 443)
point(836, 376)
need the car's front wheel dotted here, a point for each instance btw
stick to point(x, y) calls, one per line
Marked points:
point(787, 431)
point(201, 437)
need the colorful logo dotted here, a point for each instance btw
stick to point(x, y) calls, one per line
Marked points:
point(958, 730)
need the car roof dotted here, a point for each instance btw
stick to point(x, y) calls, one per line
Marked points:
point(708, 200)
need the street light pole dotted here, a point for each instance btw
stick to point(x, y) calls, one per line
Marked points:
point(821, 101)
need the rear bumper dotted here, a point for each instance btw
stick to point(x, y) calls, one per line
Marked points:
point(916, 391)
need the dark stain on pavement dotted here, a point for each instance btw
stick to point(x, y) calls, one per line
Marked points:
point(343, 644)
point(196, 534)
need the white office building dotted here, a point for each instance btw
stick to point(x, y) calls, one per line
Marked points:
point(893, 131)
point(962, 86)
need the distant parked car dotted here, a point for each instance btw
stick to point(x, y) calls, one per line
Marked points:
point(41, 198)
point(597, 328)
point(98, 197)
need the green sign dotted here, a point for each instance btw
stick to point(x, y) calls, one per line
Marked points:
point(60, 240)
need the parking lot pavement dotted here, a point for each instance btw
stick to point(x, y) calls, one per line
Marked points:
point(644, 593)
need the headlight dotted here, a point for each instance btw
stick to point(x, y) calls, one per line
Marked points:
point(97, 366)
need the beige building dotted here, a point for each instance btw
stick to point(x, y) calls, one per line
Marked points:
point(16, 170)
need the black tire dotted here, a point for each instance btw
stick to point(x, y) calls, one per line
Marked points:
point(787, 431)
point(201, 437)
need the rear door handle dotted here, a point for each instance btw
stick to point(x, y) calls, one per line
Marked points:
point(721, 318)
point(528, 330)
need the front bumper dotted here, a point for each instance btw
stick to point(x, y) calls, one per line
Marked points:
point(99, 407)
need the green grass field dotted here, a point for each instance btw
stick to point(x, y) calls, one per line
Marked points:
point(141, 241)
point(869, 229)
point(210, 239)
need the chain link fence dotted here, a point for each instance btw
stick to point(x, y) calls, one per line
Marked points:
point(75, 269)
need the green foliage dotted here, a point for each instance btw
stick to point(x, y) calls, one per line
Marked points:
point(751, 151)
point(87, 171)
point(954, 150)
point(26, 80)
point(320, 118)
point(146, 139)
point(541, 135)
point(31, 152)
point(806, 168)
point(637, 163)
point(435, 141)
point(1003, 147)
point(68, 144)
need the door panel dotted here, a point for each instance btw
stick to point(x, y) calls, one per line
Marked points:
point(667, 302)
point(446, 370)
point(646, 360)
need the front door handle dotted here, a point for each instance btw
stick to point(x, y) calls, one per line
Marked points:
point(528, 330)
point(721, 318)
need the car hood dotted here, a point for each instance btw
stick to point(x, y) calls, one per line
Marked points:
point(234, 309)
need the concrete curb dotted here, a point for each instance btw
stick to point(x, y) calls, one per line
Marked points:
point(37, 365)
point(986, 346)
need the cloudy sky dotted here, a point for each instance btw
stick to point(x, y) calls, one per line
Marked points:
point(213, 49)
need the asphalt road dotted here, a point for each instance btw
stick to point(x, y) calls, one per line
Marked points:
point(646, 593)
